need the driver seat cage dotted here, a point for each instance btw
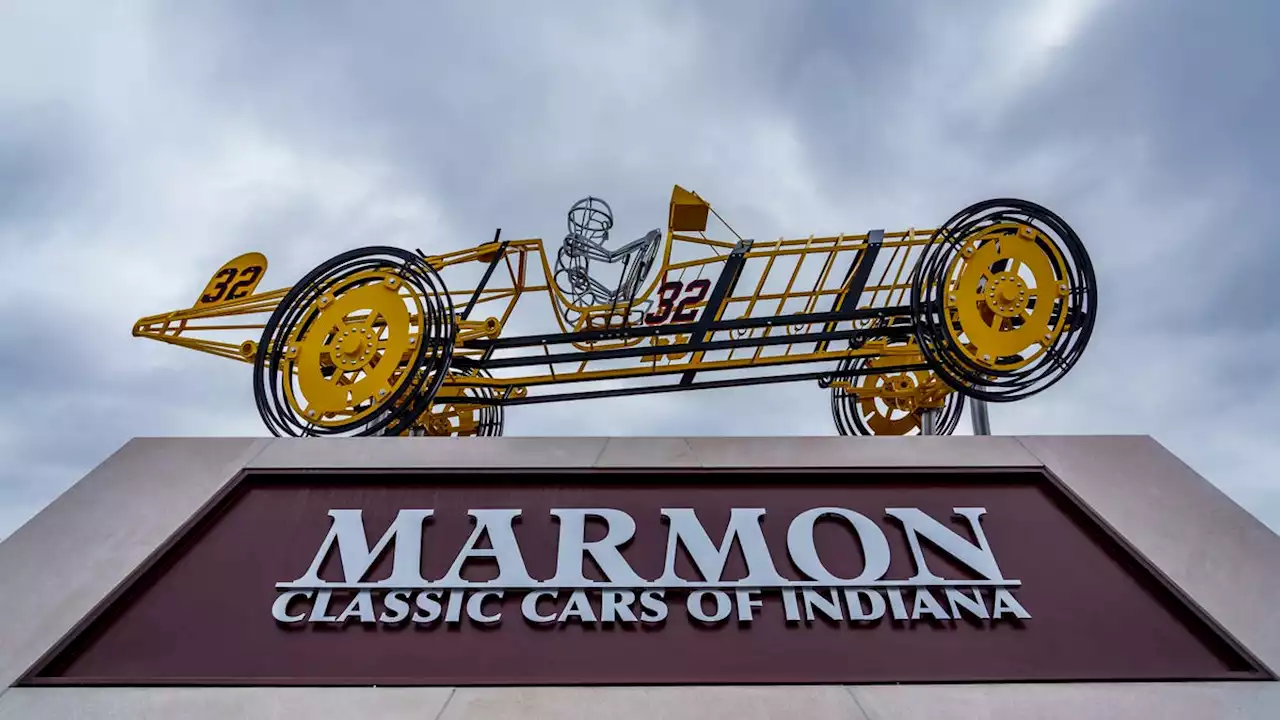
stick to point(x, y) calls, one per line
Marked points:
point(589, 221)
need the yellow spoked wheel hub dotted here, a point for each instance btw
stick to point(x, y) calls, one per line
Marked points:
point(457, 409)
point(899, 390)
point(451, 414)
point(351, 358)
point(1002, 304)
point(902, 394)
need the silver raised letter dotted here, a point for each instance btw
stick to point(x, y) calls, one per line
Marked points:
point(654, 606)
point(396, 605)
point(748, 601)
point(361, 606)
point(475, 607)
point(853, 600)
point(573, 547)
point(976, 605)
point(320, 608)
point(280, 608)
point(529, 606)
point(790, 605)
point(875, 548)
point(579, 606)
point(723, 605)
point(347, 532)
point(453, 610)
point(978, 557)
point(428, 601)
point(744, 524)
point(828, 605)
point(896, 605)
point(927, 604)
point(1007, 604)
point(505, 551)
point(615, 606)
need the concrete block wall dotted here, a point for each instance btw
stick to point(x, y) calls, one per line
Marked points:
point(59, 565)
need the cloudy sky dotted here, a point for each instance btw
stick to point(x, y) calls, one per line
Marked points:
point(144, 143)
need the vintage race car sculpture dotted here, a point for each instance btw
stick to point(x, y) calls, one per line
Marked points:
point(997, 303)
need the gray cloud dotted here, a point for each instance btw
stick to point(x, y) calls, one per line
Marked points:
point(163, 139)
point(42, 163)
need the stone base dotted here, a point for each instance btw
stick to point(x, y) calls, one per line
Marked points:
point(68, 558)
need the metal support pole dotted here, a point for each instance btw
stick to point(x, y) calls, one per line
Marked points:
point(978, 411)
point(927, 422)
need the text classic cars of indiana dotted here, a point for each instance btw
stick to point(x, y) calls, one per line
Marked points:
point(623, 596)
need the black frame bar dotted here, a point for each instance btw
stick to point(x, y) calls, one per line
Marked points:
point(724, 285)
point(691, 346)
point(488, 273)
point(677, 387)
point(859, 274)
point(633, 331)
point(885, 322)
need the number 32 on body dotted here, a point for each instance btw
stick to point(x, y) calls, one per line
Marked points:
point(670, 310)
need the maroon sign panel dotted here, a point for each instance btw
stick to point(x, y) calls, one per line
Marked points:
point(643, 578)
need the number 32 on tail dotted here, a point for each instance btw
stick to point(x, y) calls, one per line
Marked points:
point(235, 280)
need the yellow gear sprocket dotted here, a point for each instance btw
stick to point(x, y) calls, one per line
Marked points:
point(890, 402)
point(456, 412)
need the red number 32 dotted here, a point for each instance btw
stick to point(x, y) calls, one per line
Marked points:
point(695, 292)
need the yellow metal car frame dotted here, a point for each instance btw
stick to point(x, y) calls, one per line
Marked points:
point(997, 303)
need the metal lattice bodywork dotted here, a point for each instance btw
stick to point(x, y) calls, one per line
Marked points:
point(998, 303)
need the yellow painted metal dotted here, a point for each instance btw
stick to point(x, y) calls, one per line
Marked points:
point(660, 342)
point(888, 401)
point(478, 329)
point(175, 327)
point(1002, 297)
point(450, 414)
point(350, 353)
point(322, 353)
point(480, 253)
point(688, 211)
point(236, 279)
point(453, 411)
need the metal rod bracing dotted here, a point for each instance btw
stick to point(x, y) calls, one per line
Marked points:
point(626, 333)
point(488, 273)
point(716, 304)
point(507, 385)
point(928, 422)
point(897, 332)
point(858, 274)
point(673, 387)
point(978, 413)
